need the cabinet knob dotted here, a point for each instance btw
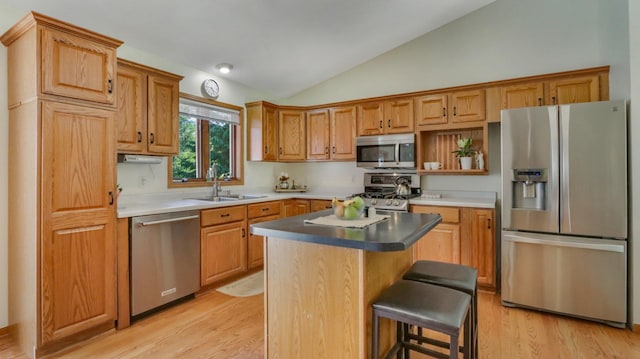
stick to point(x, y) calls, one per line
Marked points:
point(225, 215)
point(111, 200)
point(454, 111)
point(152, 138)
point(389, 123)
point(243, 233)
point(266, 149)
point(280, 150)
point(539, 101)
point(326, 150)
point(488, 223)
point(333, 150)
point(553, 100)
point(139, 136)
point(109, 86)
point(444, 112)
point(380, 124)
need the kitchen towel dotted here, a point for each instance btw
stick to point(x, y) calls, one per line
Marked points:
point(332, 220)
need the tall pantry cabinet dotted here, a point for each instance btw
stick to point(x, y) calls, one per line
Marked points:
point(61, 83)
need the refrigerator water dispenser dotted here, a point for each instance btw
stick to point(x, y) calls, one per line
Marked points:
point(529, 188)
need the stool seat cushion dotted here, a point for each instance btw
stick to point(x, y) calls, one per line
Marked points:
point(450, 275)
point(425, 305)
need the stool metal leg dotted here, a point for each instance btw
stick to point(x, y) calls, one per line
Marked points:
point(454, 347)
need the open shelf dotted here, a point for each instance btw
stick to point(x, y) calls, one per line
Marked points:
point(437, 143)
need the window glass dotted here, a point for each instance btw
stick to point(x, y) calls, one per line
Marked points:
point(209, 135)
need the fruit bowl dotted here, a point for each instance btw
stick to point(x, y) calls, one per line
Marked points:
point(348, 210)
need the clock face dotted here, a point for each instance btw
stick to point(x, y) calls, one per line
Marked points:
point(211, 88)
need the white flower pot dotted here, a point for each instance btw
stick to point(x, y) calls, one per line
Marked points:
point(465, 163)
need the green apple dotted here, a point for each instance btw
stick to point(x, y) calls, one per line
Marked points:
point(351, 212)
point(358, 202)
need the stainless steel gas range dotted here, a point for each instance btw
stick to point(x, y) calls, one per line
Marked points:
point(390, 191)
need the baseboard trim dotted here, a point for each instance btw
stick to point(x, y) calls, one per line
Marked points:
point(4, 331)
point(635, 328)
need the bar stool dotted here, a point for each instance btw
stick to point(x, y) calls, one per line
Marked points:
point(426, 306)
point(454, 276)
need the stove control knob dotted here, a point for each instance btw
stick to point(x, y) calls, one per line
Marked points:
point(374, 202)
point(388, 203)
point(396, 202)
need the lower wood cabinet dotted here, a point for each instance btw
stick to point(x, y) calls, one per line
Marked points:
point(316, 205)
point(223, 245)
point(465, 236)
point(258, 213)
point(294, 207)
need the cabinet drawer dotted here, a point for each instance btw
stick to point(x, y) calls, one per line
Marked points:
point(449, 214)
point(210, 217)
point(263, 209)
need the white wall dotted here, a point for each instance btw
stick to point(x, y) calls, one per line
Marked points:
point(634, 130)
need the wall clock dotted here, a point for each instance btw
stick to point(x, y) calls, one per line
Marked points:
point(210, 88)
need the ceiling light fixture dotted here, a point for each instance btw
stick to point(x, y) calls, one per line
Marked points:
point(224, 67)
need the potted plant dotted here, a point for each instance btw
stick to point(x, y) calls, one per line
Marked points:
point(464, 153)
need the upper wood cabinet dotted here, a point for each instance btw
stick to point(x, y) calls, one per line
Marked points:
point(147, 110)
point(522, 95)
point(385, 117)
point(450, 108)
point(574, 90)
point(291, 135)
point(318, 135)
point(331, 134)
point(262, 135)
point(546, 90)
point(62, 52)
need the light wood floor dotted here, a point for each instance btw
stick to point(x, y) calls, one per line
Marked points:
point(218, 326)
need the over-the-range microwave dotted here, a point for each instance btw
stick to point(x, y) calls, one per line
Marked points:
point(386, 151)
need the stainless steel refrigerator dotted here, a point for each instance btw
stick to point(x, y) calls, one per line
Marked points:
point(564, 210)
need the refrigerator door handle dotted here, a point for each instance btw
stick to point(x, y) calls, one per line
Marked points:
point(619, 248)
point(565, 195)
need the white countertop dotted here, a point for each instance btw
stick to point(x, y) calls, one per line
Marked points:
point(145, 204)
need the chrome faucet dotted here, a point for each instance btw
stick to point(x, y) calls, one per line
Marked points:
point(216, 184)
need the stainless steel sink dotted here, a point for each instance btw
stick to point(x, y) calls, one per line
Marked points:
point(230, 197)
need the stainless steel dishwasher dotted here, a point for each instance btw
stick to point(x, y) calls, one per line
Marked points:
point(165, 259)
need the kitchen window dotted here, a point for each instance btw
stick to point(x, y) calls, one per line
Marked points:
point(209, 132)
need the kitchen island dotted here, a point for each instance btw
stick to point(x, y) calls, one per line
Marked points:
point(320, 282)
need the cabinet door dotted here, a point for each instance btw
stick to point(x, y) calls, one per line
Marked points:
point(77, 67)
point(318, 138)
point(370, 119)
point(467, 106)
point(316, 205)
point(131, 117)
point(255, 245)
point(270, 133)
point(574, 90)
point(223, 251)
point(162, 112)
point(524, 95)
point(291, 135)
point(294, 207)
point(399, 116)
point(78, 219)
point(441, 244)
point(483, 245)
point(343, 133)
point(431, 110)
